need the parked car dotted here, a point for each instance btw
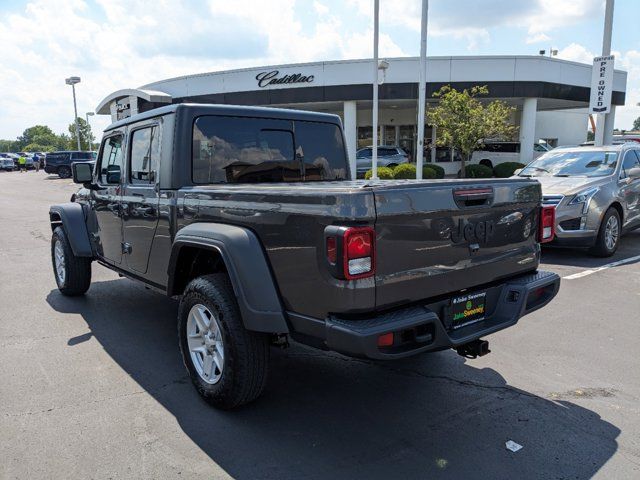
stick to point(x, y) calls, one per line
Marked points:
point(596, 192)
point(7, 163)
point(388, 156)
point(59, 163)
point(249, 216)
point(492, 153)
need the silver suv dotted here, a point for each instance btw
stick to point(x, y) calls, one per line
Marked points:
point(596, 192)
point(388, 156)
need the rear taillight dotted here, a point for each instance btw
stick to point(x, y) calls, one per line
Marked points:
point(547, 230)
point(350, 251)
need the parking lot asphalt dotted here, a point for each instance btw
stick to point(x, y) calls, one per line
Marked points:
point(94, 387)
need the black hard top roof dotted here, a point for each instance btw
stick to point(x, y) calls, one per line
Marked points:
point(230, 110)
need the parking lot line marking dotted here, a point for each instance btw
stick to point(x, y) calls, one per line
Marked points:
point(599, 269)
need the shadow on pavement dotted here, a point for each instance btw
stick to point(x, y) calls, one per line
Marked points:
point(629, 247)
point(327, 416)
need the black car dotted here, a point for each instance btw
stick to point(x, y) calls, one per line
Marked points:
point(59, 163)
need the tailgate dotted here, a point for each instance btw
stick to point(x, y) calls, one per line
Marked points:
point(440, 237)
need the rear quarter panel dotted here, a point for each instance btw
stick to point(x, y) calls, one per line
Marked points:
point(290, 220)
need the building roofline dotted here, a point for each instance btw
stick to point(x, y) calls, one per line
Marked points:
point(365, 60)
point(145, 94)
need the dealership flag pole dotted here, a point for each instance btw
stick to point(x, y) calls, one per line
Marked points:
point(604, 128)
point(422, 88)
point(374, 150)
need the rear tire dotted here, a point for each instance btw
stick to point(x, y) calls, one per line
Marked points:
point(64, 172)
point(608, 235)
point(486, 162)
point(72, 274)
point(227, 363)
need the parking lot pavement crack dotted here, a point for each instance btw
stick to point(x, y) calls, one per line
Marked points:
point(404, 371)
point(45, 411)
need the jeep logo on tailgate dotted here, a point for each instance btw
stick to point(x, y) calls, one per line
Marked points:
point(479, 232)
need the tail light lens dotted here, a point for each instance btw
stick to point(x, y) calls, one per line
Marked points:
point(350, 251)
point(547, 230)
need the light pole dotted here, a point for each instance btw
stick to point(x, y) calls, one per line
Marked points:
point(72, 81)
point(87, 115)
point(422, 88)
point(374, 81)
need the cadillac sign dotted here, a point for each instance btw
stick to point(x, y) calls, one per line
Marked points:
point(271, 78)
point(601, 84)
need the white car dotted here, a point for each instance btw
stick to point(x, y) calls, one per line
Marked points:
point(493, 153)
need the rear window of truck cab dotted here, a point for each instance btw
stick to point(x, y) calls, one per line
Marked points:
point(256, 150)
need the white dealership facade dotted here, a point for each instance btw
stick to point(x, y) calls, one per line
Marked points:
point(551, 96)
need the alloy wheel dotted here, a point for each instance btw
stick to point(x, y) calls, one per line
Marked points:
point(204, 339)
point(611, 232)
point(58, 253)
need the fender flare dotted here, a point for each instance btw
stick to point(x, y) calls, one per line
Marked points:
point(73, 222)
point(248, 268)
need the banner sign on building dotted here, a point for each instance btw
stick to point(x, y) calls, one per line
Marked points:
point(601, 84)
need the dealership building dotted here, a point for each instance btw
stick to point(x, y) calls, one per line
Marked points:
point(551, 96)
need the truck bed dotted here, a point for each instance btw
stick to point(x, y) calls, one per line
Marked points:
point(419, 252)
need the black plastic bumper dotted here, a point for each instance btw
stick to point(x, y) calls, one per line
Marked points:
point(426, 328)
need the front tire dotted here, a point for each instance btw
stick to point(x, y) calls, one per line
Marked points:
point(227, 363)
point(608, 235)
point(64, 172)
point(72, 274)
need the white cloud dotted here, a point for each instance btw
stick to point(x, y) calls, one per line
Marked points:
point(538, 38)
point(320, 8)
point(122, 43)
point(576, 53)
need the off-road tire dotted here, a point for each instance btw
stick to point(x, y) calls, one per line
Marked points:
point(600, 249)
point(246, 353)
point(64, 172)
point(77, 278)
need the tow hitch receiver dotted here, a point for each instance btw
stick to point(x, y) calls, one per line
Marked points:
point(477, 348)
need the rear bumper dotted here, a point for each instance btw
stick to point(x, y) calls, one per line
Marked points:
point(419, 329)
point(580, 240)
point(51, 169)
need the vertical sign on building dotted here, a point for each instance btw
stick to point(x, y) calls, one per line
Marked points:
point(601, 84)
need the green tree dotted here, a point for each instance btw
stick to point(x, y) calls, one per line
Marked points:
point(636, 125)
point(9, 146)
point(463, 121)
point(39, 134)
point(86, 136)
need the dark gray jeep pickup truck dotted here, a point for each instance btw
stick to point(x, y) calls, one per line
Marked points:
point(250, 217)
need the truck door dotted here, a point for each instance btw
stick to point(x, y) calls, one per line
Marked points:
point(140, 196)
point(107, 197)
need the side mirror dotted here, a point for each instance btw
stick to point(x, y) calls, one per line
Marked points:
point(82, 172)
point(517, 171)
point(633, 173)
point(113, 174)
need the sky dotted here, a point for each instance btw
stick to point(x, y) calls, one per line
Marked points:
point(114, 44)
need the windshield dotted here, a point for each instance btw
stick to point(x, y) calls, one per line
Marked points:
point(572, 164)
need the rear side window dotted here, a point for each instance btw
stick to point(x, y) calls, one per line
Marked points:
point(82, 156)
point(145, 150)
point(57, 157)
point(387, 151)
point(253, 150)
point(630, 161)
